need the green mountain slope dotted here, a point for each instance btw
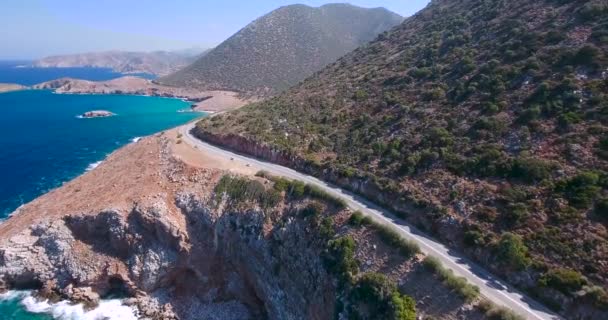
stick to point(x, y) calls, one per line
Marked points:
point(284, 47)
point(483, 122)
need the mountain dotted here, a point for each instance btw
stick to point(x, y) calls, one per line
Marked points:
point(284, 47)
point(157, 62)
point(484, 123)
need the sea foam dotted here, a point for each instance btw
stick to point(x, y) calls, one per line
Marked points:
point(64, 310)
point(93, 165)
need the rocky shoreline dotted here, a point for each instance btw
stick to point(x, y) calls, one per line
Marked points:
point(146, 226)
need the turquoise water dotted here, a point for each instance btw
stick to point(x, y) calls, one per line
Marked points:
point(11, 309)
point(43, 143)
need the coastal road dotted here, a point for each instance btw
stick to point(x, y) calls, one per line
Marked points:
point(490, 287)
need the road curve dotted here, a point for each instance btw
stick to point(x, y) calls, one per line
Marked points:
point(490, 287)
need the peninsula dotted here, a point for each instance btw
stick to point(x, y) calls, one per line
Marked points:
point(7, 87)
point(213, 101)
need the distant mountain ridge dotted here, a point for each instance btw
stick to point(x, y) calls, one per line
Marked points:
point(284, 47)
point(156, 62)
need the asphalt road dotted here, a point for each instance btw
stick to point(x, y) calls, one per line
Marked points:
point(490, 287)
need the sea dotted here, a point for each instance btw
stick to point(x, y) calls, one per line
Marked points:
point(44, 143)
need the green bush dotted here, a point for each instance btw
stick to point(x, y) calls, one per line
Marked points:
point(240, 189)
point(312, 210)
point(474, 238)
point(581, 190)
point(374, 296)
point(598, 296)
point(407, 248)
point(531, 169)
point(297, 189)
point(465, 290)
point(567, 119)
point(494, 312)
point(356, 219)
point(512, 252)
point(565, 280)
point(326, 228)
point(339, 258)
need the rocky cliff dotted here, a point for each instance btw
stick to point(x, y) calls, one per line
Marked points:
point(182, 242)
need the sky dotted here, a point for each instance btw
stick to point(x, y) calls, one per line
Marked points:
point(33, 29)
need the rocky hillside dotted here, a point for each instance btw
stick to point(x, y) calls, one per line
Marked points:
point(284, 47)
point(483, 122)
point(158, 63)
point(181, 239)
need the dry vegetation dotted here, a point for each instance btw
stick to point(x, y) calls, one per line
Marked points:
point(486, 119)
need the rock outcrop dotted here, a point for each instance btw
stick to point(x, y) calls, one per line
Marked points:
point(97, 114)
point(148, 227)
point(185, 255)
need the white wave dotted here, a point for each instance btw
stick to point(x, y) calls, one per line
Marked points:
point(80, 117)
point(64, 310)
point(135, 139)
point(93, 165)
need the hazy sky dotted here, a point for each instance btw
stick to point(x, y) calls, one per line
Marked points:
point(37, 28)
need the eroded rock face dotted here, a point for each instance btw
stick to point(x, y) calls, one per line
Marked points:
point(224, 264)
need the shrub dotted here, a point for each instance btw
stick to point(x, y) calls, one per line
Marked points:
point(375, 297)
point(326, 228)
point(587, 55)
point(465, 290)
point(494, 312)
point(420, 73)
point(568, 119)
point(356, 219)
point(439, 137)
point(517, 213)
point(312, 210)
point(318, 193)
point(531, 169)
point(407, 248)
point(474, 238)
point(565, 280)
point(601, 209)
point(240, 189)
point(360, 95)
point(512, 252)
point(592, 11)
point(298, 189)
point(598, 296)
point(580, 190)
point(339, 258)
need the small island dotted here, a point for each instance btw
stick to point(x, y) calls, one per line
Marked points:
point(97, 114)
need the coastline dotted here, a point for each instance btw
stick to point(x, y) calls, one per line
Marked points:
point(205, 101)
point(10, 87)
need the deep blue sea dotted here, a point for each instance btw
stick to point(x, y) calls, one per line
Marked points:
point(44, 144)
point(18, 72)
